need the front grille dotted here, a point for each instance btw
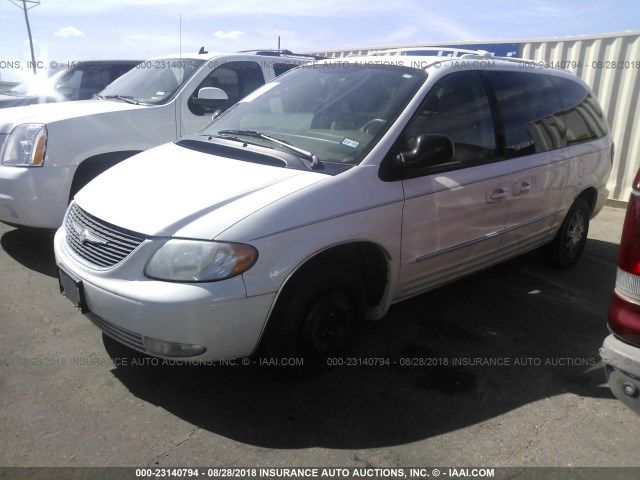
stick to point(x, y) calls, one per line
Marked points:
point(99, 243)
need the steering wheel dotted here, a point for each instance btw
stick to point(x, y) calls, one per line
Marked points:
point(373, 126)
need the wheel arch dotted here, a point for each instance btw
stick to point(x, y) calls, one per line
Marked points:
point(590, 194)
point(93, 166)
point(371, 259)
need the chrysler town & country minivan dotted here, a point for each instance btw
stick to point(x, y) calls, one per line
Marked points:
point(329, 194)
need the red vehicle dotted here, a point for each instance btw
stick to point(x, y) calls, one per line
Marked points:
point(621, 349)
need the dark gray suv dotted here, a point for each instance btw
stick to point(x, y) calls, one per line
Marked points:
point(79, 81)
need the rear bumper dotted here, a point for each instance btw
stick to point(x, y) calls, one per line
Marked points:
point(622, 369)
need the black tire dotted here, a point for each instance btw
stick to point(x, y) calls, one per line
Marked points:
point(319, 318)
point(567, 246)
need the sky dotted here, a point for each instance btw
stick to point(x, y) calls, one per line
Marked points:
point(70, 30)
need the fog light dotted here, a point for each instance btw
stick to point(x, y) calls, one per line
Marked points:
point(171, 349)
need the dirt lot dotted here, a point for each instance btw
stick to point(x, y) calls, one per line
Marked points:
point(504, 373)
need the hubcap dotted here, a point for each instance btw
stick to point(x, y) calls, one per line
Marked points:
point(328, 323)
point(575, 233)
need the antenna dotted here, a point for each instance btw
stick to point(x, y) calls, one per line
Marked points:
point(278, 42)
point(33, 4)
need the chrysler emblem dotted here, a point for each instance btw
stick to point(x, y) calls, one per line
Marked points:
point(87, 236)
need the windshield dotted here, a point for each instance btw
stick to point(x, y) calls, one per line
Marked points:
point(333, 112)
point(153, 82)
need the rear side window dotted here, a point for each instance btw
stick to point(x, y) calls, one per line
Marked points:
point(583, 117)
point(530, 110)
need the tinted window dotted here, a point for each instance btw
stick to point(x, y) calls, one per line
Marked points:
point(237, 79)
point(582, 115)
point(280, 68)
point(119, 69)
point(458, 107)
point(530, 112)
point(94, 80)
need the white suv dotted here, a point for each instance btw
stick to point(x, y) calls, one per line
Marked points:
point(329, 194)
point(48, 152)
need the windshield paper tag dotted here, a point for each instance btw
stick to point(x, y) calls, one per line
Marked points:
point(350, 143)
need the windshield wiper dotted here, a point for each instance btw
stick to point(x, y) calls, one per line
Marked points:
point(311, 157)
point(124, 98)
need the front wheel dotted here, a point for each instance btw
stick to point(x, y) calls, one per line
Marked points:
point(318, 317)
point(567, 246)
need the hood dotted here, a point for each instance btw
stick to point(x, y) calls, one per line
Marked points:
point(174, 191)
point(53, 112)
point(7, 101)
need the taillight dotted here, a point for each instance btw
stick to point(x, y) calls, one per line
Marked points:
point(629, 259)
point(624, 311)
point(624, 318)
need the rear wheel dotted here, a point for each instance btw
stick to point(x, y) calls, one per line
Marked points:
point(567, 246)
point(318, 318)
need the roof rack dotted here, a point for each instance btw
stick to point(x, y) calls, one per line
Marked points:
point(447, 53)
point(428, 52)
point(282, 53)
point(480, 54)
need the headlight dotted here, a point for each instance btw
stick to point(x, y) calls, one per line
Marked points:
point(200, 261)
point(26, 146)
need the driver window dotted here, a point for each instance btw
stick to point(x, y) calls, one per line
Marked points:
point(457, 107)
point(237, 79)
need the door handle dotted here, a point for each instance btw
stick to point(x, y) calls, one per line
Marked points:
point(497, 194)
point(521, 187)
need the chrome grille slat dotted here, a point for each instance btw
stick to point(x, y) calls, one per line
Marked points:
point(114, 244)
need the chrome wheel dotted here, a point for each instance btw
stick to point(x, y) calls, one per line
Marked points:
point(566, 247)
point(576, 234)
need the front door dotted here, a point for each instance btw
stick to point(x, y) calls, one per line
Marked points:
point(454, 216)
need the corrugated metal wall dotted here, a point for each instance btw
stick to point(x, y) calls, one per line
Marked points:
point(610, 64)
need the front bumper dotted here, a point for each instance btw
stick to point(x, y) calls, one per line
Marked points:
point(34, 197)
point(622, 369)
point(128, 306)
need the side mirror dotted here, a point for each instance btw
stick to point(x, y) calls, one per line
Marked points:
point(429, 150)
point(211, 97)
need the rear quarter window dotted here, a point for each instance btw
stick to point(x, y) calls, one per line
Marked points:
point(583, 116)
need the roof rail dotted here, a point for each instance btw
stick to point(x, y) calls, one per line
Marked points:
point(428, 52)
point(282, 53)
point(493, 57)
point(446, 53)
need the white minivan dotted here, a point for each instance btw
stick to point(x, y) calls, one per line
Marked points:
point(48, 152)
point(330, 194)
